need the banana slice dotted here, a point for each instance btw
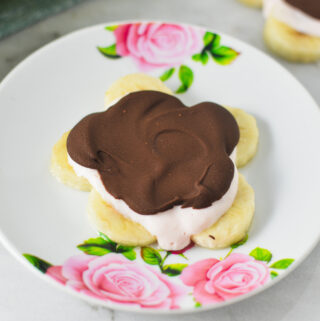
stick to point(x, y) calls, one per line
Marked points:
point(252, 3)
point(107, 220)
point(229, 229)
point(234, 224)
point(131, 83)
point(249, 136)
point(289, 43)
point(61, 169)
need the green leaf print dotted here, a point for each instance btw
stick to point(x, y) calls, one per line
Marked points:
point(282, 264)
point(167, 74)
point(224, 55)
point(151, 256)
point(97, 246)
point(40, 264)
point(111, 28)
point(127, 251)
point(110, 52)
point(202, 57)
point(273, 274)
point(186, 78)
point(208, 37)
point(173, 269)
point(215, 42)
point(241, 242)
point(261, 254)
point(103, 245)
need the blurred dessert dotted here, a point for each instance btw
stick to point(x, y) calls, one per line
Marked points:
point(292, 29)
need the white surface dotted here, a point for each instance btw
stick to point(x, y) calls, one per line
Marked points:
point(294, 298)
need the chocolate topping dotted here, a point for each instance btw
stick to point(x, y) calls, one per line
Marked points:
point(153, 152)
point(310, 7)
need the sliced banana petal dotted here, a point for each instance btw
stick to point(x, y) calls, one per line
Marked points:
point(234, 224)
point(61, 169)
point(131, 83)
point(249, 136)
point(107, 220)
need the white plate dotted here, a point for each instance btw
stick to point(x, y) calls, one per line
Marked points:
point(62, 82)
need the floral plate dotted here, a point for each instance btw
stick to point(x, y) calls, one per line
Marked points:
point(44, 224)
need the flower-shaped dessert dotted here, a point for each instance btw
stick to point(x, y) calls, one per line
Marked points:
point(164, 171)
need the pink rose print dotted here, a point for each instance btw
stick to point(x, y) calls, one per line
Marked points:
point(56, 273)
point(168, 46)
point(115, 278)
point(154, 45)
point(216, 281)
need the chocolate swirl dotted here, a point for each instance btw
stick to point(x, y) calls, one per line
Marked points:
point(310, 7)
point(153, 152)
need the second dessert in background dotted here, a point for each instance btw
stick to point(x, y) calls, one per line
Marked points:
point(292, 29)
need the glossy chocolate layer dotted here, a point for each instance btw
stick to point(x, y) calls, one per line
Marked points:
point(153, 152)
point(310, 7)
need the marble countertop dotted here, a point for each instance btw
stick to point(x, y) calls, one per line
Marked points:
point(24, 296)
